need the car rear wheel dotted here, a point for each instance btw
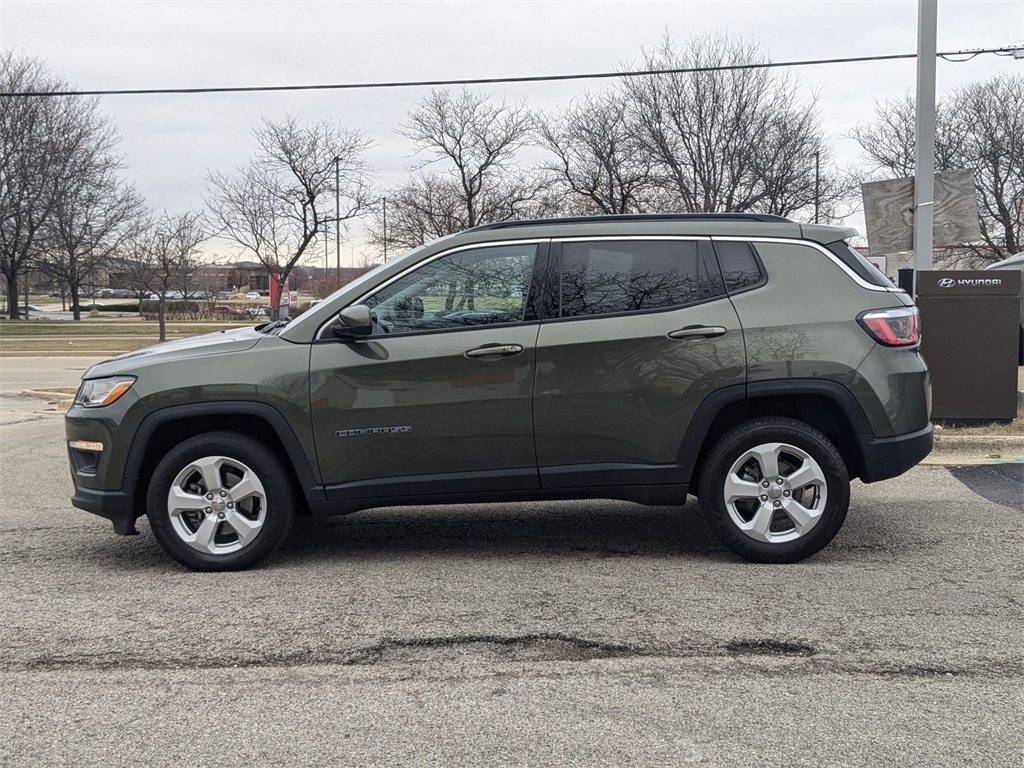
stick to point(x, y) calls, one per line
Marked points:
point(220, 501)
point(774, 490)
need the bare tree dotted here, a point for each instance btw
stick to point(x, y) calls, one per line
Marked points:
point(48, 146)
point(889, 141)
point(279, 203)
point(599, 165)
point(728, 140)
point(95, 213)
point(162, 257)
point(979, 126)
point(471, 147)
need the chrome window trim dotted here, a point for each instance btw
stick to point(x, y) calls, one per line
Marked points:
point(413, 267)
point(825, 251)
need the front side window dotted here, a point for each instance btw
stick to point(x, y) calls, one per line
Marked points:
point(608, 277)
point(478, 286)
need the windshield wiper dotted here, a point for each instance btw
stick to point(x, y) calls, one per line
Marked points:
point(274, 326)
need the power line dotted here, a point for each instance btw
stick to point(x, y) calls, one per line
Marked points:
point(971, 53)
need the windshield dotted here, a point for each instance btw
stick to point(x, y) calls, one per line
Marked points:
point(367, 278)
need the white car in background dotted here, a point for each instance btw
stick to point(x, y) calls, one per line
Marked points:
point(252, 296)
point(1015, 262)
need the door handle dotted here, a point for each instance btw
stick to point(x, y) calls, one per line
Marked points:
point(495, 350)
point(697, 332)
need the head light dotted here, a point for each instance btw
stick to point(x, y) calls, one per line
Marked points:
point(95, 393)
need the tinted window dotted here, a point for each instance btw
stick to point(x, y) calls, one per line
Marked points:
point(481, 286)
point(600, 278)
point(861, 266)
point(739, 266)
point(711, 282)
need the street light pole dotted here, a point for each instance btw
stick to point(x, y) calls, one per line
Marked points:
point(385, 228)
point(817, 184)
point(924, 151)
point(337, 220)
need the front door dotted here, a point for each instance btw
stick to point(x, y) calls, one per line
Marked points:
point(439, 398)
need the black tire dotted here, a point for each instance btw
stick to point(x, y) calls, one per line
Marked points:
point(226, 535)
point(784, 521)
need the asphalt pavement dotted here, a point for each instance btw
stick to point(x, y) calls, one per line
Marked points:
point(583, 633)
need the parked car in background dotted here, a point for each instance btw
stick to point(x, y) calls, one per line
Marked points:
point(229, 311)
point(252, 296)
point(223, 295)
point(1015, 263)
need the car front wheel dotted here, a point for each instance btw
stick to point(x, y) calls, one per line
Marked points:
point(220, 501)
point(774, 490)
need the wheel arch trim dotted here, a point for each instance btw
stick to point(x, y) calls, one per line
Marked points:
point(308, 483)
point(704, 417)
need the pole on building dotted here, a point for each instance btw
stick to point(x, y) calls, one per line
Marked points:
point(924, 154)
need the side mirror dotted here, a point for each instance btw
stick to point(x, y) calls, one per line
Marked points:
point(354, 322)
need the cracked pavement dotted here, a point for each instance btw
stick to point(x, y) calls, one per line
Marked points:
point(571, 633)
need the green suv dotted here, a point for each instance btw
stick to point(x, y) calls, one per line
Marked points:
point(754, 362)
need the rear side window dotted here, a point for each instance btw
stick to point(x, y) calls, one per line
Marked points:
point(740, 267)
point(609, 277)
point(861, 266)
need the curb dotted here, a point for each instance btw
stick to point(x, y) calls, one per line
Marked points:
point(62, 397)
point(70, 353)
point(976, 449)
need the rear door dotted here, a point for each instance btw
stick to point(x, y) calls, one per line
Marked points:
point(641, 334)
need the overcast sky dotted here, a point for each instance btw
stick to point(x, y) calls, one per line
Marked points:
point(172, 141)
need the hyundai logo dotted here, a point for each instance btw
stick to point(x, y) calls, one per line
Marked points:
point(975, 282)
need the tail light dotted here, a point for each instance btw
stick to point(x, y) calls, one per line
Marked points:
point(892, 327)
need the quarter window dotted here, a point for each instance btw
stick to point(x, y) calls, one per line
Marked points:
point(607, 277)
point(479, 286)
point(739, 266)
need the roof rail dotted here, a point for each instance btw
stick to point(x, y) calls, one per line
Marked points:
point(764, 217)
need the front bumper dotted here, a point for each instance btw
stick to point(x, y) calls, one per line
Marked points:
point(100, 484)
point(116, 506)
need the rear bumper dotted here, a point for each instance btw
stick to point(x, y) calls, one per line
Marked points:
point(885, 457)
point(117, 506)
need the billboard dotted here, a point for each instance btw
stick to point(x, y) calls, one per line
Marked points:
point(889, 212)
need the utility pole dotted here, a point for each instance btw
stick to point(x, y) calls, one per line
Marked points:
point(385, 228)
point(924, 153)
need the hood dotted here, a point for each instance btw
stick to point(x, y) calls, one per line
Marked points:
point(217, 343)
